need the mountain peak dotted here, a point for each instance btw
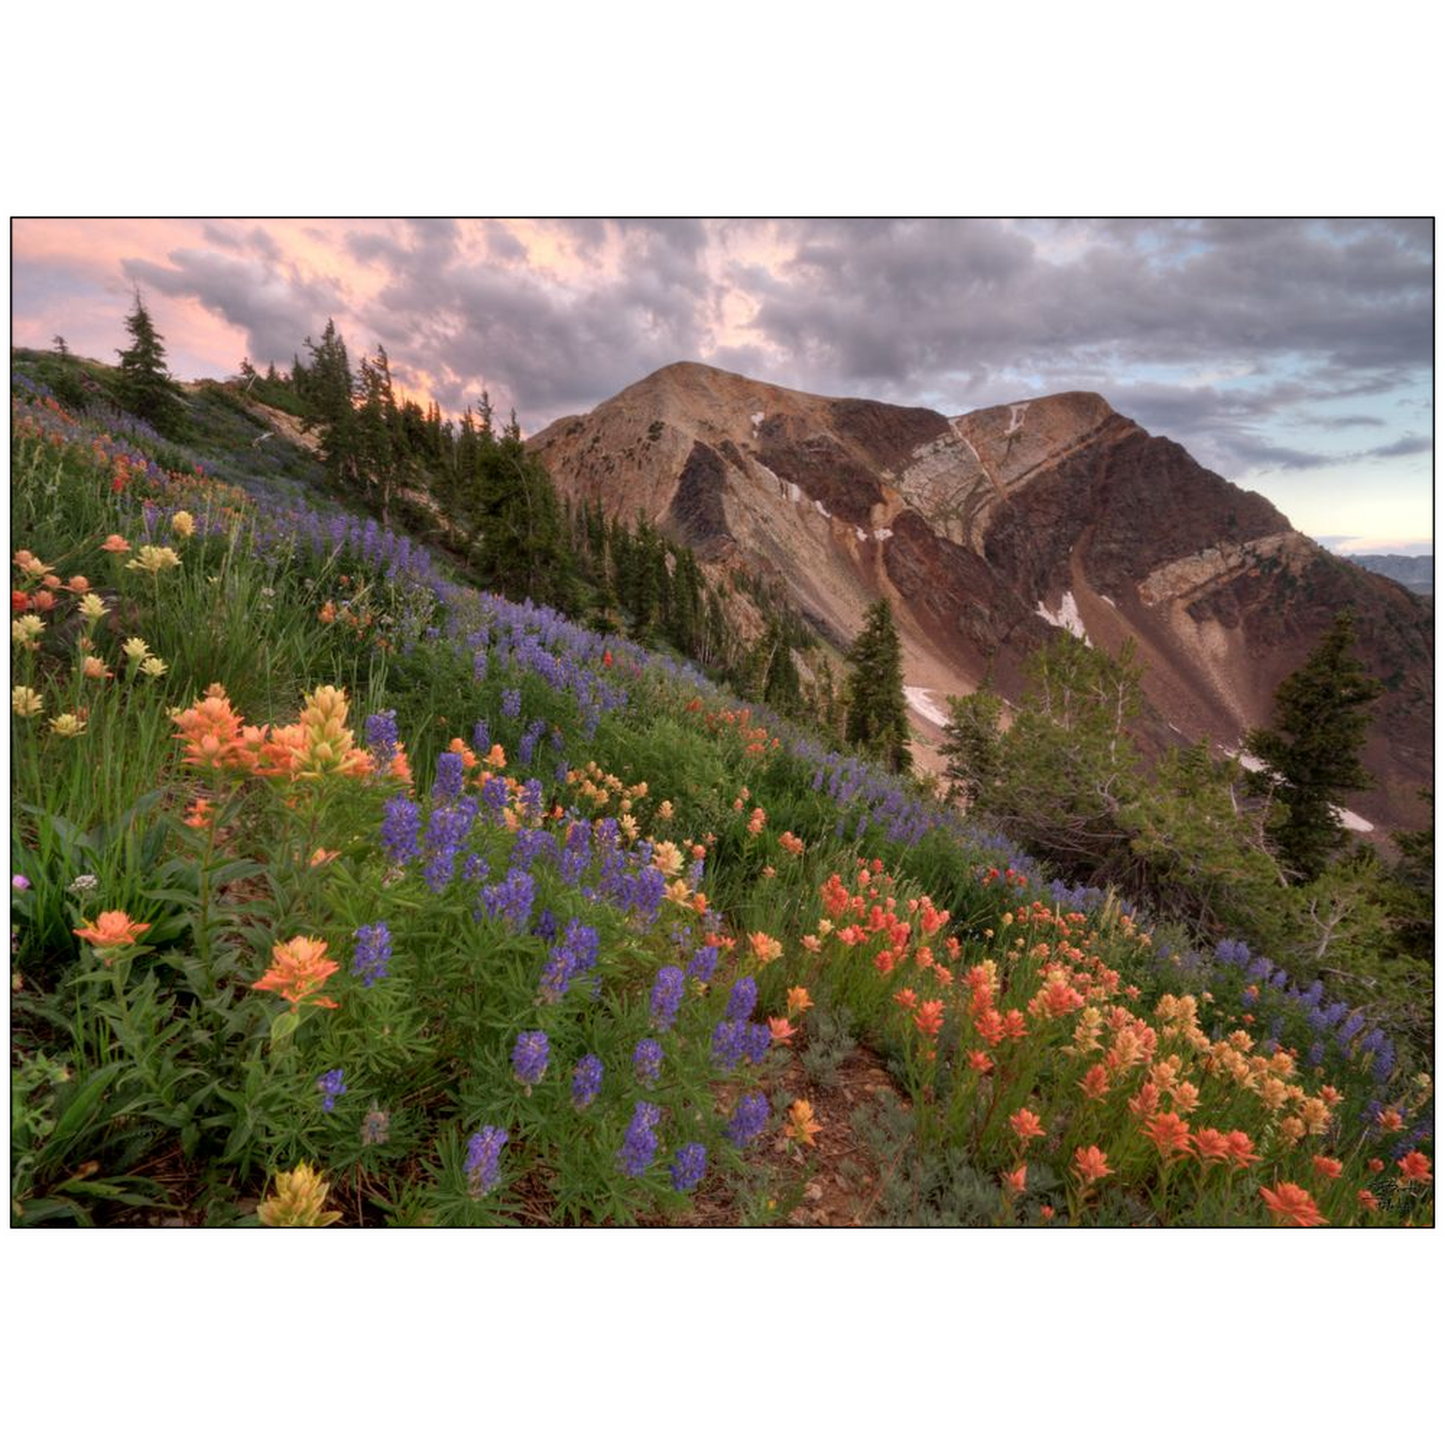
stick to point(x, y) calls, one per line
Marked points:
point(988, 529)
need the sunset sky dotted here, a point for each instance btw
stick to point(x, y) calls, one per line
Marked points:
point(1293, 357)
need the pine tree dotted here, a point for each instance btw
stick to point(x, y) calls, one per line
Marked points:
point(1312, 751)
point(877, 710)
point(329, 391)
point(145, 386)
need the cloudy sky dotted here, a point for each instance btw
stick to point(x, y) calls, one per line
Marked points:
point(1293, 357)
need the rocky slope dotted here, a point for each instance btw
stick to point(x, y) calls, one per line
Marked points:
point(987, 530)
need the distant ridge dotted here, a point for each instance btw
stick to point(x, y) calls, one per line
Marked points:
point(1416, 573)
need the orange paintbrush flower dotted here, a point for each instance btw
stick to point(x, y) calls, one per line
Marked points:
point(799, 1001)
point(1095, 1083)
point(929, 1017)
point(298, 968)
point(1292, 1205)
point(1091, 1164)
point(1329, 1168)
point(1015, 1182)
point(765, 949)
point(1212, 1147)
point(979, 1061)
point(111, 930)
point(1025, 1124)
point(1241, 1149)
point(1389, 1120)
point(200, 814)
point(115, 543)
point(210, 730)
point(801, 1124)
point(1169, 1134)
point(782, 1031)
point(906, 998)
point(1367, 1201)
point(1415, 1167)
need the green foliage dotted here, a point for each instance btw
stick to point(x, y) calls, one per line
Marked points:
point(1312, 749)
point(877, 709)
point(144, 385)
point(972, 746)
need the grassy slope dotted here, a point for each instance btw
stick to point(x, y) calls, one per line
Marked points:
point(156, 1082)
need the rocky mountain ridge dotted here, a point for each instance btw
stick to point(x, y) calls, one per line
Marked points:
point(987, 530)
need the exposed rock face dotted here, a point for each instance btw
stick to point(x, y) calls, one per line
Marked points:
point(987, 530)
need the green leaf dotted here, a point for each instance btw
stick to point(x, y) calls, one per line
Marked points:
point(284, 1025)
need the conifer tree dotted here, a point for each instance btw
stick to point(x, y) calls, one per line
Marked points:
point(329, 392)
point(145, 386)
point(1312, 751)
point(877, 711)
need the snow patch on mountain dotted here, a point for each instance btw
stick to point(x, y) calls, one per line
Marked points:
point(920, 699)
point(1066, 617)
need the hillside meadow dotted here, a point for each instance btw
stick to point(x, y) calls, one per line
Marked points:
point(345, 894)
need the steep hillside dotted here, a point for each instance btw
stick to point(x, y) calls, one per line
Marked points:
point(987, 530)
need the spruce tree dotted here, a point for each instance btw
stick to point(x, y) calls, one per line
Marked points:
point(877, 710)
point(1312, 751)
point(145, 386)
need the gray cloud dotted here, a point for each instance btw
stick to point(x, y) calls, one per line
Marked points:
point(1405, 446)
point(1238, 338)
point(255, 290)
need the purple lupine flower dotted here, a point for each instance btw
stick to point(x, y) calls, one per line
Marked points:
point(479, 666)
point(729, 1041)
point(475, 868)
point(511, 898)
point(742, 998)
point(484, 1157)
point(451, 774)
point(646, 892)
point(529, 1057)
point(511, 703)
point(688, 1167)
point(381, 738)
point(586, 1080)
point(575, 955)
point(1384, 1064)
point(647, 1060)
point(703, 964)
point(446, 830)
point(400, 823)
point(748, 1120)
point(481, 737)
point(756, 1042)
point(666, 997)
point(373, 950)
point(639, 1144)
point(496, 795)
point(546, 926)
point(331, 1088)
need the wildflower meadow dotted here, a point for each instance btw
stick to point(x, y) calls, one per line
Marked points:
point(343, 894)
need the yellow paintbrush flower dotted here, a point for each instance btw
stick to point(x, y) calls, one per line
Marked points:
point(136, 649)
point(25, 631)
point(183, 524)
point(67, 725)
point(26, 702)
point(297, 1202)
point(153, 667)
point(154, 560)
point(92, 607)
